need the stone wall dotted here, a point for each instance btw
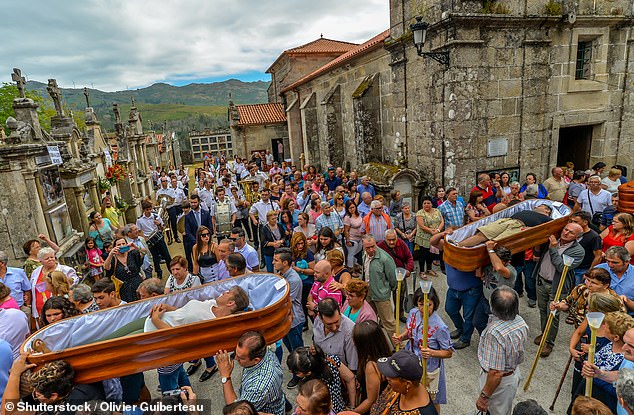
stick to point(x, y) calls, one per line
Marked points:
point(340, 127)
point(257, 137)
point(510, 77)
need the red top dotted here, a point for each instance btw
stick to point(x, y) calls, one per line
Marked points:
point(400, 254)
point(488, 196)
point(611, 240)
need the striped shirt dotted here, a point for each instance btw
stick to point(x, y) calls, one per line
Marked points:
point(453, 215)
point(262, 385)
point(502, 344)
point(319, 291)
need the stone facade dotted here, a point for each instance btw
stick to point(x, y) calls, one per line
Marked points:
point(512, 77)
point(258, 127)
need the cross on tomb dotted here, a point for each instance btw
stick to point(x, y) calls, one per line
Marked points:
point(56, 95)
point(133, 102)
point(117, 114)
point(87, 95)
point(19, 80)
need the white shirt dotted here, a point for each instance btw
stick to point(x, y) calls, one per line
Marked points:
point(596, 203)
point(269, 159)
point(250, 256)
point(232, 206)
point(207, 196)
point(146, 224)
point(192, 312)
point(177, 194)
point(612, 185)
point(14, 328)
point(261, 209)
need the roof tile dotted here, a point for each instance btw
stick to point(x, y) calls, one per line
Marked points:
point(323, 45)
point(357, 51)
point(260, 114)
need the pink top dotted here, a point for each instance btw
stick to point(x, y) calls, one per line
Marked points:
point(356, 227)
point(10, 303)
point(320, 291)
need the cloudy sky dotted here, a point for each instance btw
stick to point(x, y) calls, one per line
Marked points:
point(119, 44)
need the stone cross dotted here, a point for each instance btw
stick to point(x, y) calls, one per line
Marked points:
point(19, 80)
point(55, 93)
point(133, 103)
point(87, 95)
point(117, 114)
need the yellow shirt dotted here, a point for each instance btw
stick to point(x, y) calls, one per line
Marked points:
point(112, 214)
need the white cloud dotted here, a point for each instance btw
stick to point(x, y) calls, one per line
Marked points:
point(114, 44)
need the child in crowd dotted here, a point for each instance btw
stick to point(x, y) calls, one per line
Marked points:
point(94, 258)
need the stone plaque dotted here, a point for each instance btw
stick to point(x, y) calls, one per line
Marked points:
point(498, 147)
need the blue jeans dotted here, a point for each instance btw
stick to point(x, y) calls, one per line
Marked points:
point(174, 380)
point(268, 260)
point(293, 338)
point(579, 273)
point(278, 350)
point(467, 300)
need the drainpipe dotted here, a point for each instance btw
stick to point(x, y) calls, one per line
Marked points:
point(623, 91)
point(301, 122)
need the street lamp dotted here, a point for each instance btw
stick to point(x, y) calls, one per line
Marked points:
point(419, 30)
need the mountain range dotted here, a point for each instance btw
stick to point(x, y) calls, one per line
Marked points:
point(193, 106)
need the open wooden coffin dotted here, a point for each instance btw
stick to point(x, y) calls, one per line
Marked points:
point(626, 197)
point(74, 339)
point(469, 259)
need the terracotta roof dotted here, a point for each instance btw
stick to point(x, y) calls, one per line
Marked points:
point(260, 114)
point(319, 46)
point(360, 50)
point(323, 45)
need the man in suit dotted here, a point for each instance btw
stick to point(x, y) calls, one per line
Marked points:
point(193, 220)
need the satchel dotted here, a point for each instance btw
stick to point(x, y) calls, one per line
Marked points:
point(596, 216)
point(432, 379)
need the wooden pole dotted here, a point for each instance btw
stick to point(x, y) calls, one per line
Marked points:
point(425, 330)
point(551, 316)
point(398, 310)
point(561, 382)
point(593, 346)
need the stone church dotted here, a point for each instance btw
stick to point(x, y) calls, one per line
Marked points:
point(526, 85)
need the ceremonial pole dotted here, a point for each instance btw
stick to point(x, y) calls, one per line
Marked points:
point(425, 286)
point(400, 275)
point(567, 263)
point(594, 321)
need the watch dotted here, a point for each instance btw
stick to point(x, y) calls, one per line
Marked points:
point(491, 251)
point(224, 380)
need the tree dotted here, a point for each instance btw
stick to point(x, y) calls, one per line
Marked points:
point(45, 111)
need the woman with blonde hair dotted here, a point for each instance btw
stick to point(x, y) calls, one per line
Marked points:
point(58, 284)
point(620, 233)
point(607, 359)
point(340, 273)
point(612, 181)
point(597, 302)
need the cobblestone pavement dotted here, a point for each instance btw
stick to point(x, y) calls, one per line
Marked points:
point(462, 369)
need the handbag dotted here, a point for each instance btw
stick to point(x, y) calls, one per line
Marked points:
point(596, 216)
point(432, 381)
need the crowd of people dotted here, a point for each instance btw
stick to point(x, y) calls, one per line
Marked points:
point(339, 244)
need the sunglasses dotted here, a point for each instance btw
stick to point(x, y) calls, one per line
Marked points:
point(204, 234)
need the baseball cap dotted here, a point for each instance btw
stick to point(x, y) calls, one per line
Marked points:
point(402, 364)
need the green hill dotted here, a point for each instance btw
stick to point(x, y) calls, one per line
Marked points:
point(193, 106)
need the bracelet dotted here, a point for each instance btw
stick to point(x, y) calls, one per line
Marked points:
point(491, 251)
point(484, 395)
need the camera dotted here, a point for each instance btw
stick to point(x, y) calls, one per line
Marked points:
point(176, 392)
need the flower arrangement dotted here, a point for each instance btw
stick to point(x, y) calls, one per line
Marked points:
point(115, 174)
point(104, 184)
point(121, 204)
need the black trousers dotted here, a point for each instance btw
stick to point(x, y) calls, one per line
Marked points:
point(255, 230)
point(159, 250)
point(188, 255)
point(173, 213)
point(244, 222)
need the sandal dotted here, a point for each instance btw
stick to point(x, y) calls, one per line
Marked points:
point(432, 273)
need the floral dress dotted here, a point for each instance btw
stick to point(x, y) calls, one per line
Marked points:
point(389, 403)
point(438, 338)
point(431, 219)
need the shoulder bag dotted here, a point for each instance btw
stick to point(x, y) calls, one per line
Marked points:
point(596, 216)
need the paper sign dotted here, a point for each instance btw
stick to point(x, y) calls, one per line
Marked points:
point(280, 284)
point(56, 157)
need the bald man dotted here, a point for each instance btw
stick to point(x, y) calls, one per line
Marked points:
point(321, 287)
point(548, 273)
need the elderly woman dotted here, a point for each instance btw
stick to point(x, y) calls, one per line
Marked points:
point(39, 293)
point(356, 307)
point(612, 181)
point(31, 248)
point(405, 226)
point(81, 296)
